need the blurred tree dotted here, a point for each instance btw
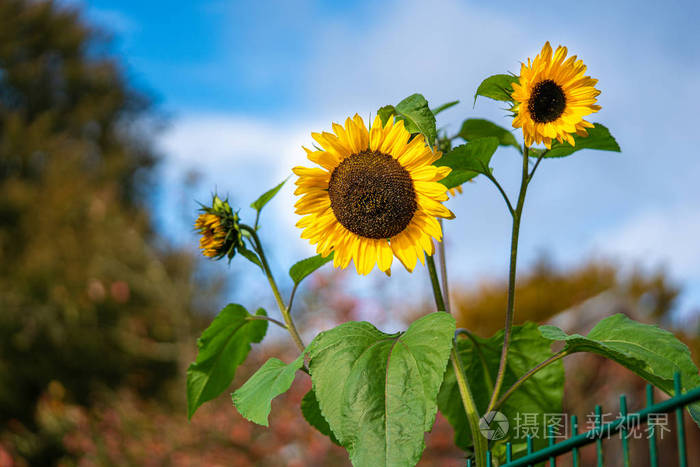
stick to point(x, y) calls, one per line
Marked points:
point(88, 298)
point(546, 290)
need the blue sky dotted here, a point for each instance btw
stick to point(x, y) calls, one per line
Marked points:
point(244, 83)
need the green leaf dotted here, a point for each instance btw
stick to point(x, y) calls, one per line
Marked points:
point(312, 413)
point(223, 346)
point(475, 128)
point(498, 87)
point(444, 107)
point(599, 137)
point(250, 256)
point(649, 351)
point(265, 198)
point(378, 391)
point(303, 268)
point(468, 160)
point(254, 399)
point(386, 112)
point(540, 394)
point(417, 117)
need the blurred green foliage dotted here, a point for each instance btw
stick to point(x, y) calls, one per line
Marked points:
point(89, 297)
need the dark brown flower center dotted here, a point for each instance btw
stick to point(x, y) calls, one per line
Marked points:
point(547, 101)
point(372, 195)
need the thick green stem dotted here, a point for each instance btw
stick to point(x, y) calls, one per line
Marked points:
point(435, 282)
point(480, 443)
point(275, 290)
point(517, 215)
point(470, 410)
point(524, 377)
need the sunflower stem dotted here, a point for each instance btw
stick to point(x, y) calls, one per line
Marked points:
point(470, 410)
point(435, 282)
point(517, 215)
point(480, 443)
point(537, 163)
point(523, 378)
point(502, 191)
point(275, 290)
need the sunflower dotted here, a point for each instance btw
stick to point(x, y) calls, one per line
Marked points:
point(376, 195)
point(219, 228)
point(552, 98)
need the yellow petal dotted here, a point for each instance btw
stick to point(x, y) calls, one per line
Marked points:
point(384, 255)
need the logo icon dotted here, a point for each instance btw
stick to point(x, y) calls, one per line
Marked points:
point(494, 425)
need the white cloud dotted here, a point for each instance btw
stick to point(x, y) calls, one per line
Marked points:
point(660, 237)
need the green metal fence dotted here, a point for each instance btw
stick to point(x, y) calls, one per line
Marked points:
point(621, 425)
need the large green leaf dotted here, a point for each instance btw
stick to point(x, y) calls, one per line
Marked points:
point(254, 399)
point(651, 352)
point(468, 160)
point(223, 346)
point(312, 413)
point(417, 117)
point(541, 394)
point(599, 138)
point(378, 391)
point(386, 112)
point(265, 198)
point(475, 128)
point(498, 87)
point(303, 268)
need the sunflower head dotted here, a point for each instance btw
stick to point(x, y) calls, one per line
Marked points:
point(219, 230)
point(375, 196)
point(552, 98)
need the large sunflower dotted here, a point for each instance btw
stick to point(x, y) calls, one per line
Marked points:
point(376, 196)
point(552, 98)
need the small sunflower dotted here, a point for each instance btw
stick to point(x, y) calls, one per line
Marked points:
point(552, 98)
point(213, 234)
point(218, 226)
point(376, 196)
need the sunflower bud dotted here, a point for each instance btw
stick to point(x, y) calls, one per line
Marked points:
point(220, 230)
